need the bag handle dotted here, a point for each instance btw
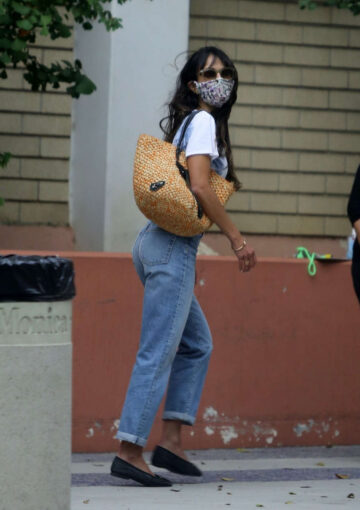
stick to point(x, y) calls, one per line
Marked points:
point(183, 172)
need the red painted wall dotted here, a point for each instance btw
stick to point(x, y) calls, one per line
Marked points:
point(285, 366)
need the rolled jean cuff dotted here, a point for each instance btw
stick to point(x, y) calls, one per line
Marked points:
point(173, 415)
point(130, 438)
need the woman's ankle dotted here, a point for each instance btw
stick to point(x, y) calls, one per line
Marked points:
point(129, 451)
point(133, 454)
point(171, 437)
point(171, 432)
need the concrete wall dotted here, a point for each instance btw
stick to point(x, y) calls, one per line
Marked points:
point(284, 370)
point(35, 127)
point(35, 402)
point(135, 73)
point(89, 140)
point(295, 128)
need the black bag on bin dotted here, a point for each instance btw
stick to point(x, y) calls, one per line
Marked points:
point(36, 278)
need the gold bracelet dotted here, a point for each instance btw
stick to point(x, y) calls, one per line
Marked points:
point(241, 247)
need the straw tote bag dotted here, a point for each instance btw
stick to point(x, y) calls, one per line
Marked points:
point(161, 184)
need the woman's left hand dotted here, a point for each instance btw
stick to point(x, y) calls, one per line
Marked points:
point(246, 258)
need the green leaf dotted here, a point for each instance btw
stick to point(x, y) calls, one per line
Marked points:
point(45, 19)
point(2, 202)
point(5, 43)
point(24, 24)
point(64, 31)
point(307, 4)
point(5, 58)
point(18, 45)
point(72, 92)
point(4, 159)
point(5, 19)
point(33, 19)
point(20, 55)
point(85, 86)
point(20, 8)
point(22, 20)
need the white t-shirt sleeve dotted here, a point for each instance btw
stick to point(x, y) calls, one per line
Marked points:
point(202, 136)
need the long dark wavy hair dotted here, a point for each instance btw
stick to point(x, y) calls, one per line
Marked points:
point(185, 100)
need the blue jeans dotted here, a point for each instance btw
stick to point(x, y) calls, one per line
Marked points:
point(175, 343)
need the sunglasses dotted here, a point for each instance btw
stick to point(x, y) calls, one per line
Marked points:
point(228, 73)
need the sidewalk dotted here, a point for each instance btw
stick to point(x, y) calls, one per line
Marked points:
point(245, 479)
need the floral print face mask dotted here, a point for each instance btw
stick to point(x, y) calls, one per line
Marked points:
point(215, 92)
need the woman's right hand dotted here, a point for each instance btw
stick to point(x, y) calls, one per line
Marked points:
point(246, 258)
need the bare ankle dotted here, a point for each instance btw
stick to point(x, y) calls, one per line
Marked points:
point(170, 443)
point(171, 433)
point(129, 451)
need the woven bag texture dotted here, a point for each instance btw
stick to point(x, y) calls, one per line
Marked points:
point(173, 206)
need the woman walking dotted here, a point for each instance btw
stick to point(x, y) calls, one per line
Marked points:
point(175, 343)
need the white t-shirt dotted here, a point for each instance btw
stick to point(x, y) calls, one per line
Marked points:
point(200, 138)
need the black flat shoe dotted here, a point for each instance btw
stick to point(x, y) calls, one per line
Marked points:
point(123, 469)
point(165, 459)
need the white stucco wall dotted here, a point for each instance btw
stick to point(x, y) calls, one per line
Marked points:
point(134, 69)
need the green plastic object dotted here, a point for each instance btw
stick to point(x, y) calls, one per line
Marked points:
point(303, 253)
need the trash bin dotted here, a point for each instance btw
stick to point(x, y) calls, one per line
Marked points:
point(35, 382)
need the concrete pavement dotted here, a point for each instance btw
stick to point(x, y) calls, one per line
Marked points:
point(246, 479)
